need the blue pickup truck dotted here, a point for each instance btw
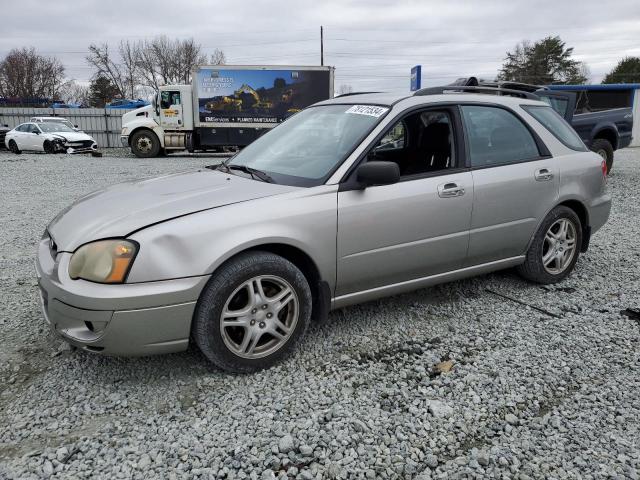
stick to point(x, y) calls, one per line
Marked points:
point(601, 114)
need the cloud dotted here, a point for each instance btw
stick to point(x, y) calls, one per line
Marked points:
point(372, 43)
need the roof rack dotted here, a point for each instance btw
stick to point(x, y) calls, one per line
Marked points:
point(487, 90)
point(526, 87)
point(354, 93)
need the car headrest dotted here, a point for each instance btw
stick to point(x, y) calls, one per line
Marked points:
point(436, 136)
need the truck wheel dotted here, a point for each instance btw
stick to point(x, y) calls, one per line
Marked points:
point(555, 247)
point(604, 148)
point(145, 144)
point(252, 313)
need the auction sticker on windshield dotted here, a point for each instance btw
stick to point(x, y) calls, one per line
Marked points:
point(371, 110)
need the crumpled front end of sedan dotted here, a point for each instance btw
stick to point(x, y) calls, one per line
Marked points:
point(114, 318)
point(71, 146)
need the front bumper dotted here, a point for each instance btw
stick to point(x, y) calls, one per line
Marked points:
point(63, 146)
point(128, 320)
point(124, 140)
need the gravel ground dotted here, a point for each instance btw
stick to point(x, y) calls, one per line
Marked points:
point(446, 382)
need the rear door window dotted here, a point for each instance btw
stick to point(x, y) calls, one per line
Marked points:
point(557, 126)
point(496, 136)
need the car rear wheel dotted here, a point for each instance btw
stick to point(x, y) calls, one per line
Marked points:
point(252, 313)
point(13, 146)
point(604, 148)
point(555, 247)
point(145, 144)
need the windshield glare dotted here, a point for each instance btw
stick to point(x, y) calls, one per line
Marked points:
point(54, 127)
point(305, 148)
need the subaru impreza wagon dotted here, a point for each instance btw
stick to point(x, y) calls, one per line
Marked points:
point(349, 200)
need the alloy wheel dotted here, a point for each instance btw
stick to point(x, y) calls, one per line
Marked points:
point(559, 247)
point(259, 316)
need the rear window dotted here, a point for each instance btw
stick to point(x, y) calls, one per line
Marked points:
point(557, 126)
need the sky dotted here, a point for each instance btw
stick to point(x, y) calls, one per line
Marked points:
point(372, 43)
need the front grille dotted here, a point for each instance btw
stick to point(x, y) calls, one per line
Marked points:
point(81, 144)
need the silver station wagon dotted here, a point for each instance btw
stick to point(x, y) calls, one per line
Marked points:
point(349, 200)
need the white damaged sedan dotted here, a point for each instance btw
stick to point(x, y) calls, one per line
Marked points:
point(48, 138)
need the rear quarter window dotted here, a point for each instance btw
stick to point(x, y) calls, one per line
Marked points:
point(558, 127)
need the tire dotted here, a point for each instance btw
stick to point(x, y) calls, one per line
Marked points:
point(48, 147)
point(560, 266)
point(230, 347)
point(13, 146)
point(145, 144)
point(604, 148)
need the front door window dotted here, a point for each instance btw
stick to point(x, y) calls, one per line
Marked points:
point(170, 109)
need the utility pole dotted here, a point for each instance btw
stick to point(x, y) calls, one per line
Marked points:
point(321, 46)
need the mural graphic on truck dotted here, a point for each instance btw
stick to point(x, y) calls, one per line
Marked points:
point(256, 96)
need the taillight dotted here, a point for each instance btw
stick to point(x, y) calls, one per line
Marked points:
point(603, 165)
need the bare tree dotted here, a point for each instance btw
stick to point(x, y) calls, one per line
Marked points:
point(129, 67)
point(218, 57)
point(74, 92)
point(25, 74)
point(120, 69)
point(148, 64)
point(163, 61)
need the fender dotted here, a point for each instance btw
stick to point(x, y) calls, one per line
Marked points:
point(586, 229)
point(154, 127)
point(602, 126)
point(168, 249)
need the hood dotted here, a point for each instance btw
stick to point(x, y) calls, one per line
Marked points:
point(132, 115)
point(124, 208)
point(71, 136)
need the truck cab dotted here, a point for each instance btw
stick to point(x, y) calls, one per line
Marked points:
point(165, 125)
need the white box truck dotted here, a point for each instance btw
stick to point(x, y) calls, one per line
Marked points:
point(224, 106)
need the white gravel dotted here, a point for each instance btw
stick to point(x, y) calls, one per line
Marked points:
point(529, 395)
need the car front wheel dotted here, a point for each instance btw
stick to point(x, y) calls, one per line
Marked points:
point(555, 247)
point(48, 147)
point(252, 313)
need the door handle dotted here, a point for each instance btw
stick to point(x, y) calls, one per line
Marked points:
point(543, 175)
point(450, 189)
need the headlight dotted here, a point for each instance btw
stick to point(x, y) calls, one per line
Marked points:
point(125, 130)
point(104, 261)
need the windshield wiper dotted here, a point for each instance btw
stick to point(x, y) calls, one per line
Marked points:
point(254, 172)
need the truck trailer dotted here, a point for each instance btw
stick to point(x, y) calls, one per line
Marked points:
point(225, 106)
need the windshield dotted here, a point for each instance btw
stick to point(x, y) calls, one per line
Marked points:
point(304, 149)
point(54, 127)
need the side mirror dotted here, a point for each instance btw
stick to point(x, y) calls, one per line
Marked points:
point(378, 173)
point(37, 132)
point(76, 126)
